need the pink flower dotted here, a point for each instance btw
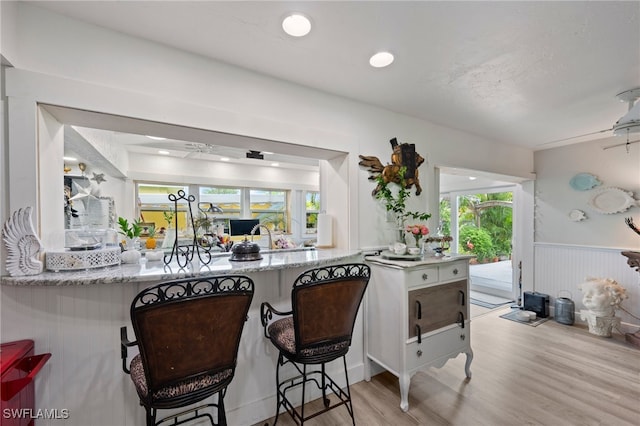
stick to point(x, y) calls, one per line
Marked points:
point(418, 231)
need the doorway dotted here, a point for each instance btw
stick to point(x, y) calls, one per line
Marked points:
point(479, 211)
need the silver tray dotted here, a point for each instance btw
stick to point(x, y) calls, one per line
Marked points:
point(392, 256)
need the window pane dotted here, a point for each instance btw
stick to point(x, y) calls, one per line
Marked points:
point(220, 204)
point(271, 207)
point(155, 207)
point(312, 204)
point(226, 199)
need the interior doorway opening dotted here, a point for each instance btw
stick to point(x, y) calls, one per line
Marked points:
point(479, 211)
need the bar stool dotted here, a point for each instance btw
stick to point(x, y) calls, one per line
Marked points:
point(188, 332)
point(317, 330)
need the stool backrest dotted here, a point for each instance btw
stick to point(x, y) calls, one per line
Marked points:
point(325, 302)
point(190, 327)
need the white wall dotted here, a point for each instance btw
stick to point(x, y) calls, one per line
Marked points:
point(189, 90)
point(555, 198)
point(567, 252)
point(67, 63)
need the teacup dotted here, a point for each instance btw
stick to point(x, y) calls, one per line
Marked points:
point(399, 248)
point(414, 250)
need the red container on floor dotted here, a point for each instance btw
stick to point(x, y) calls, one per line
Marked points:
point(19, 367)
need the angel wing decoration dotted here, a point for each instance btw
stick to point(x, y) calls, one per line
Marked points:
point(23, 245)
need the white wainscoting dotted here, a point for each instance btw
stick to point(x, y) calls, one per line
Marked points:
point(564, 267)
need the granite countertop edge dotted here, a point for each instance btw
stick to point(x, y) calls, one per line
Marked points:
point(156, 271)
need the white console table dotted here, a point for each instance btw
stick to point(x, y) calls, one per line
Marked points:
point(416, 316)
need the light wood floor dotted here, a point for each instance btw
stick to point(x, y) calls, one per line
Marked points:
point(551, 374)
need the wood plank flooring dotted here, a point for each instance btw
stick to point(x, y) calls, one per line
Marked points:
point(551, 374)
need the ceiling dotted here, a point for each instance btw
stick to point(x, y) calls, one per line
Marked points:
point(534, 74)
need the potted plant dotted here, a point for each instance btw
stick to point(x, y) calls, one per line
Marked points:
point(395, 204)
point(131, 232)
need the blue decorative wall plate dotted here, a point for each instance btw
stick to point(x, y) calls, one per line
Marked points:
point(584, 182)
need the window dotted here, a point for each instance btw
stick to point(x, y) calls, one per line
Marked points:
point(154, 205)
point(312, 208)
point(271, 207)
point(218, 204)
point(229, 200)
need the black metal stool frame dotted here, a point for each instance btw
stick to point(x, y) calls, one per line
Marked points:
point(183, 305)
point(342, 287)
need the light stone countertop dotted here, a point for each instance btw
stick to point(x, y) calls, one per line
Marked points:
point(422, 261)
point(147, 271)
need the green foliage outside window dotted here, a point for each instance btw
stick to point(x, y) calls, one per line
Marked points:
point(486, 222)
point(477, 241)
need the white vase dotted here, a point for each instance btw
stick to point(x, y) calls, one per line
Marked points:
point(132, 243)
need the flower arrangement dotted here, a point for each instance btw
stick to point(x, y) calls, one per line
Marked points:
point(418, 231)
point(281, 242)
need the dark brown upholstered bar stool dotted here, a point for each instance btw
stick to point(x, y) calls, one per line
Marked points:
point(188, 332)
point(318, 330)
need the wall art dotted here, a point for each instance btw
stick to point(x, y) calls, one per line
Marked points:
point(612, 200)
point(22, 243)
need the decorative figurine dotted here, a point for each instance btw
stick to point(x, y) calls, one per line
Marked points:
point(404, 155)
point(23, 245)
point(601, 298)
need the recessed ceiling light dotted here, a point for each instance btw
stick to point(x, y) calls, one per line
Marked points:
point(267, 152)
point(163, 152)
point(472, 178)
point(156, 138)
point(224, 158)
point(381, 59)
point(69, 158)
point(275, 164)
point(296, 25)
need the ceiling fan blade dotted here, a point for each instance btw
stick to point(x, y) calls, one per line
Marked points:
point(578, 136)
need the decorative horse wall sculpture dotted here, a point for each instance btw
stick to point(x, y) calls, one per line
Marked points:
point(404, 155)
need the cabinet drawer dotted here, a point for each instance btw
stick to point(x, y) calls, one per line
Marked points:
point(452, 271)
point(438, 347)
point(437, 306)
point(422, 276)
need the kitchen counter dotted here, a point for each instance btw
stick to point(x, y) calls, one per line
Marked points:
point(76, 316)
point(156, 271)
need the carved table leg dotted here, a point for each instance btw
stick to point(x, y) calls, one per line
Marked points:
point(467, 364)
point(405, 381)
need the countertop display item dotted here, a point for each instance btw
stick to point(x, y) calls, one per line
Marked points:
point(130, 256)
point(612, 200)
point(246, 251)
point(154, 255)
point(576, 215)
point(393, 256)
point(417, 317)
point(22, 243)
point(67, 260)
point(584, 182)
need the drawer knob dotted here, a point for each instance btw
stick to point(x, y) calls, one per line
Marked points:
point(462, 337)
point(419, 353)
point(455, 271)
point(425, 277)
